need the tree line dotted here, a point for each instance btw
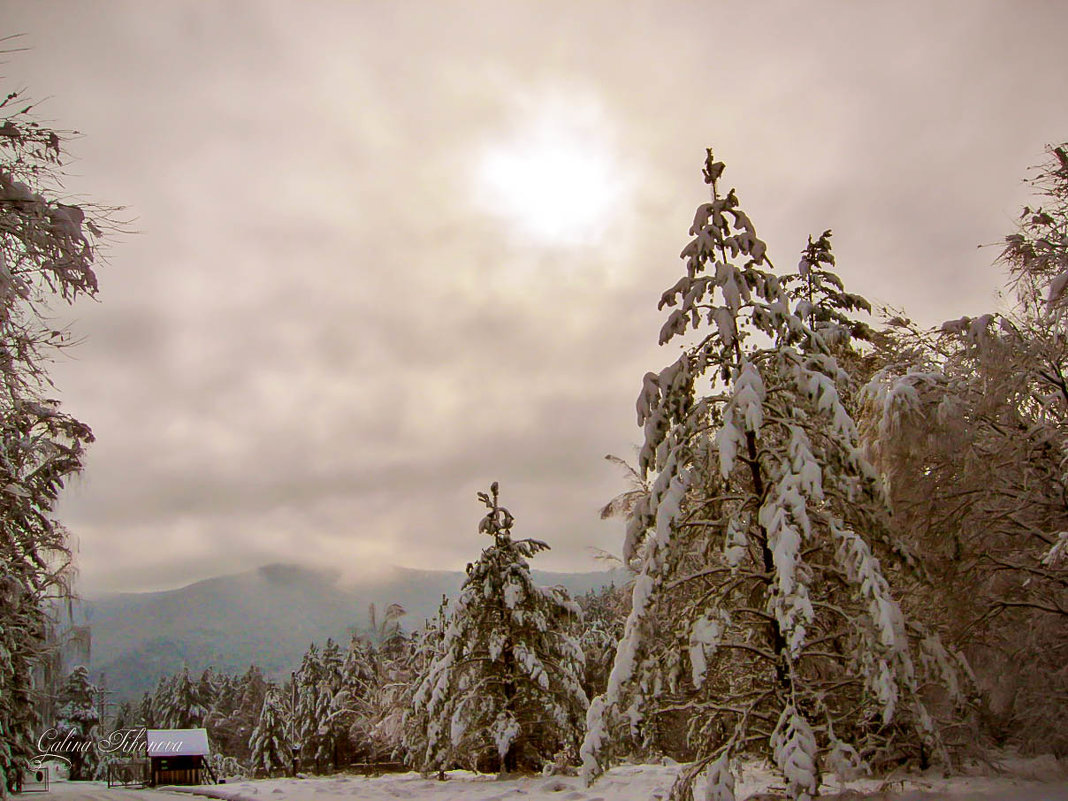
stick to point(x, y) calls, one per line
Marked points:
point(499, 681)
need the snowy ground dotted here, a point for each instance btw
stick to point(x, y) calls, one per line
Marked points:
point(1011, 780)
point(1033, 780)
point(98, 791)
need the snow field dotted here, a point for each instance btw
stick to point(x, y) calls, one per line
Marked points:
point(1030, 780)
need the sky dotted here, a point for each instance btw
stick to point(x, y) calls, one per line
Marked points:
point(380, 254)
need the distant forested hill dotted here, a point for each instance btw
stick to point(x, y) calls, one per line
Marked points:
point(266, 616)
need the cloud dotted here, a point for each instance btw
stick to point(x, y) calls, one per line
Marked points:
point(319, 345)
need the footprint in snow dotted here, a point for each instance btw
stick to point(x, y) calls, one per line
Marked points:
point(555, 786)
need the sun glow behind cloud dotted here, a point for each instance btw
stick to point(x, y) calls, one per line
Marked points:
point(555, 182)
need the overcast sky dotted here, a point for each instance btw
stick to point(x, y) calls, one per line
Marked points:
point(388, 252)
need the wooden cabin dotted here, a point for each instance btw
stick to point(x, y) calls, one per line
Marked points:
point(177, 756)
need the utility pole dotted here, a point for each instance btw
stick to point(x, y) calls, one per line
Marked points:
point(102, 694)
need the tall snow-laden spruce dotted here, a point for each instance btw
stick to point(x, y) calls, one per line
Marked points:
point(755, 547)
point(47, 253)
point(505, 689)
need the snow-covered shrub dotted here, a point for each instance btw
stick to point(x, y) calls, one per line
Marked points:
point(227, 767)
point(968, 424)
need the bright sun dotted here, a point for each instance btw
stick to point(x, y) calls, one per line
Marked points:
point(555, 183)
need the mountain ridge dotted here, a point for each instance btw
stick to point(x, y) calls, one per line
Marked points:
point(266, 616)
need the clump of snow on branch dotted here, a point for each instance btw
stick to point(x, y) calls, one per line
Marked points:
point(795, 751)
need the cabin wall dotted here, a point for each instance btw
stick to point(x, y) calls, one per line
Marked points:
point(178, 770)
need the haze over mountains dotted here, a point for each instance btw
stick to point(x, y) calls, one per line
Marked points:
point(267, 616)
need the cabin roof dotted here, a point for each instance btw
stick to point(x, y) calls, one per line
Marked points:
point(177, 742)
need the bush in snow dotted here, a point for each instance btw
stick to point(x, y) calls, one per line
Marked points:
point(760, 543)
point(505, 690)
point(226, 767)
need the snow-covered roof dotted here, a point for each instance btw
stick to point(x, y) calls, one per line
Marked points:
point(177, 742)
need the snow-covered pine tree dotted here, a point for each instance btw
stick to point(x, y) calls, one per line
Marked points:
point(227, 695)
point(375, 676)
point(181, 705)
point(163, 688)
point(332, 661)
point(755, 545)
point(47, 252)
point(124, 717)
point(331, 729)
point(269, 743)
point(506, 690)
point(308, 712)
point(358, 669)
point(22, 637)
point(224, 700)
point(145, 714)
point(78, 714)
point(603, 613)
point(427, 646)
point(207, 687)
point(251, 691)
point(352, 707)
